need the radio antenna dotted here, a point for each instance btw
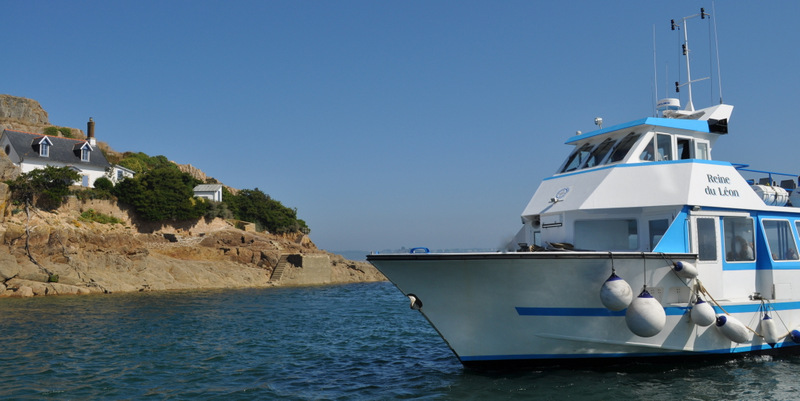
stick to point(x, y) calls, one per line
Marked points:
point(716, 48)
point(689, 82)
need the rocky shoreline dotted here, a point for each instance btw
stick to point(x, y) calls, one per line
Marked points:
point(57, 253)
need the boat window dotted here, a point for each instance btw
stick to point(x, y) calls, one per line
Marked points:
point(599, 153)
point(664, 147)
point(739, 239)
point(623, 147)
point(607, 234)
point(648, 154)
point(702, 151)
point(780, 239)
point(707, 239)
point(577, 158)
point(657, 228)
point(685, 148)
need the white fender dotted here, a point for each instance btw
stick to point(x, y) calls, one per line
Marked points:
point(769, 330)
point(733, 329)
point(645, 316)
point(702, 313)
point(685, 269)
point(615, 293)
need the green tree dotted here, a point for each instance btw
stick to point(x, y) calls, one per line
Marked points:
point(103, 184)
point(162, 194)
point(45, 188)
point(255, 206)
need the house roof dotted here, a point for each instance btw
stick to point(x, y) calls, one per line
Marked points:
point(208, 188)
point(63, 150)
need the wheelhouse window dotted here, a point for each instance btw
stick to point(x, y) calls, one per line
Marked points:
point(663, 147)
point(577, 158)
point(599, 153)
point(702, 151)
point(707, 239)
point(607, 234)
point(780, 240)
point(649, 153)
point(623, 147)
point(685, 148)
point(739, 239)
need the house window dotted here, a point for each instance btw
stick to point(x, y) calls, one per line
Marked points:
point(119, 175)
point(8, 149)
point(85, 154)
point(44, 149)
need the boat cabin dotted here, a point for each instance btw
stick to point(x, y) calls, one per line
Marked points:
point(651, 185)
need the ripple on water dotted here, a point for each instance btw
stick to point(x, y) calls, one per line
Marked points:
point(357, 341)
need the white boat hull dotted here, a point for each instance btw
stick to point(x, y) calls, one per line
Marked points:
point(544, 308)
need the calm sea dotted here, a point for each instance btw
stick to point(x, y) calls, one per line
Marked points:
point(358, 341)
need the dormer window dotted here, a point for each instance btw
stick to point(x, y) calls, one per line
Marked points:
point(44, 147)
point(84, 150)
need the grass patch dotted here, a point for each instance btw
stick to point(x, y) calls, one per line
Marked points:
point(92, 215)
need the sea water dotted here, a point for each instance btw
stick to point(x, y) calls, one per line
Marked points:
point(344, 342)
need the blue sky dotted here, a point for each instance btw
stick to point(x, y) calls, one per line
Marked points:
point(395, 123)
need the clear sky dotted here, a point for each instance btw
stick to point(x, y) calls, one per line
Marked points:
point(395, 123)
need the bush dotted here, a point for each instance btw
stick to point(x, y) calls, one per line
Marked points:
point(45, 188)
point(103, 184)
point(162, 194)
point(140, 162)
point(54, 131)
point(92, 215)
point(255, 206)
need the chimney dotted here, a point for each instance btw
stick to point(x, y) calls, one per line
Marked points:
point(90, 132)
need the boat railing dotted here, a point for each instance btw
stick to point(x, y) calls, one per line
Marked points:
point(771, 177)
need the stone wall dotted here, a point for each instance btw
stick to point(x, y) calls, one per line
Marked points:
point(310, 269)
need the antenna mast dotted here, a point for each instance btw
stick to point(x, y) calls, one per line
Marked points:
point(689, 82)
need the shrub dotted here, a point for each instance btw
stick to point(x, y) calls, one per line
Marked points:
point(162, 194)
point(45, 188)
point(92, 215)
point(103, 184)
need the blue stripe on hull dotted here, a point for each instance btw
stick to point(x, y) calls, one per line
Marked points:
point(670, 310)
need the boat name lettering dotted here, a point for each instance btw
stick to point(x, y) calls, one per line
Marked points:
point(722, 191)
point(718, 179)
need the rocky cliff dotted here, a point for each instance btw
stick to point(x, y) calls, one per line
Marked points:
point(58, 253)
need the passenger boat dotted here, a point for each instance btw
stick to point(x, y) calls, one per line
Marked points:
point(640, 247)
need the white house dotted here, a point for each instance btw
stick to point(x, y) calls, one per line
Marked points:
point(119, 173)
point(209, 191)
point(30, 151)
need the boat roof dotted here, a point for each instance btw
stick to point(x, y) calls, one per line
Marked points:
point(691, 125)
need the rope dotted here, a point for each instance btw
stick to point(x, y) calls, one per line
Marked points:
point(704, 291)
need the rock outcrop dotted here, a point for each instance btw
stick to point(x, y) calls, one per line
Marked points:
point(71, 256)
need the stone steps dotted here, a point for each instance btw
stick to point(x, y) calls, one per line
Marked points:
point(279, 269)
